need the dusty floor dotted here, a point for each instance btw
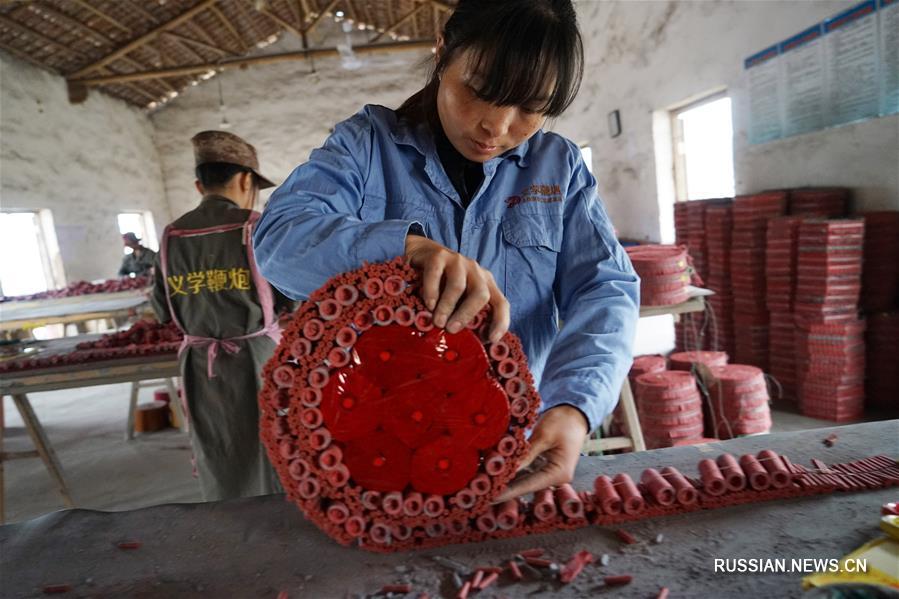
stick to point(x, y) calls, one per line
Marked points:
point(104, 472)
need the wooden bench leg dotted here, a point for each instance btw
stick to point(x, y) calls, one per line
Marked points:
point(132, 408)
point(631, 419)
point(176, 405)
point(43, 446)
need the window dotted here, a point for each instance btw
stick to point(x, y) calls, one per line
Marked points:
point(29, 254)
point(703, 149)
point(141, 224)
point(587, 155)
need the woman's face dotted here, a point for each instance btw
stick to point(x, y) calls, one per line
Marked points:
point(478, 129)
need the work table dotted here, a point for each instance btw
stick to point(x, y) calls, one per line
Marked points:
point(260, 546)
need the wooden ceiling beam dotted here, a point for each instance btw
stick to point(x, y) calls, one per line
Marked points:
point(437, 21)
point(399, 22)
point(102, 15)
point(294, 8)
point(143, 11)
point(189, 41)
point(304, 6)
point(188, 70)
point(136, 43)
point(200, 31)
point(248, 19)
point(186, 48)
point(140, 66)
point(241, 42)
point(317, 19)
point(136, 88)
point(272, 15)
point(442, 5)
point(416, 34)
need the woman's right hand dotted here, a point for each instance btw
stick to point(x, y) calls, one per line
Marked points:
point(460, 276)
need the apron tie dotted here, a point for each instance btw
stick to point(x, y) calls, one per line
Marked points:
point(229, 344)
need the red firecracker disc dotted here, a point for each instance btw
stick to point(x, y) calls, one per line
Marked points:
point(365, 399)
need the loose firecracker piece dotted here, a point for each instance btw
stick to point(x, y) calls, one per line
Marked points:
point(476, 579)
point(617, 580)
point(538, 562)
point(55, 589)
point(129, 544)
point(625, 536)
point(488, 580)
point(575, 566)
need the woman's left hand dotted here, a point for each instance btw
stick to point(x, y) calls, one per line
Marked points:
point(557, 440)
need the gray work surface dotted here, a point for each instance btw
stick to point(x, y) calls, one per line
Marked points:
point(260, 546)
point(72, 306)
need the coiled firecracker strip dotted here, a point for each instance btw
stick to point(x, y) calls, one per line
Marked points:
point(358, 424)
point(386, 431)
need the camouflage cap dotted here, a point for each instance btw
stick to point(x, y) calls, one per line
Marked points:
point(221, 146)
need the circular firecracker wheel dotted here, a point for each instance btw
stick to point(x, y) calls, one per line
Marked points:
point(685, 360)
point(380, 424)
point(651, 260)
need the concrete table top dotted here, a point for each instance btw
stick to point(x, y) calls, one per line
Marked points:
point(257, 547)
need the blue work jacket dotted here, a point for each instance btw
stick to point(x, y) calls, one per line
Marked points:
point(536, 223)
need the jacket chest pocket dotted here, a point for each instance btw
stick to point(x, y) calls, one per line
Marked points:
point(531, 244)
point(376, 209)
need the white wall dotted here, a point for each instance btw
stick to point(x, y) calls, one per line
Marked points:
point(649, 56)
point(283, 109)
point(84, 162)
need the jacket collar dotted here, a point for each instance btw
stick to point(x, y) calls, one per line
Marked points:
point(214, 197)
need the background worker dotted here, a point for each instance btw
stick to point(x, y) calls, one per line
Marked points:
point(141, 259)
point(208, 284)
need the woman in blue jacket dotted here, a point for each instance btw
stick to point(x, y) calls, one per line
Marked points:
point(463, 181)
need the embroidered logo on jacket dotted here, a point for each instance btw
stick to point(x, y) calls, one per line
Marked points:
point(545, 194)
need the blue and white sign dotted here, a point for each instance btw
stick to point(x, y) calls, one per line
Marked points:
point(804, 83)
point(888, 15)
point(763, 70)
point(853, 66)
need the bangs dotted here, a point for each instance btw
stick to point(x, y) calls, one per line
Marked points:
point(527, 62)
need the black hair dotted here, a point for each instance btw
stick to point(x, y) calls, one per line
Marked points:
point(215, 175)
point(516, 46)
